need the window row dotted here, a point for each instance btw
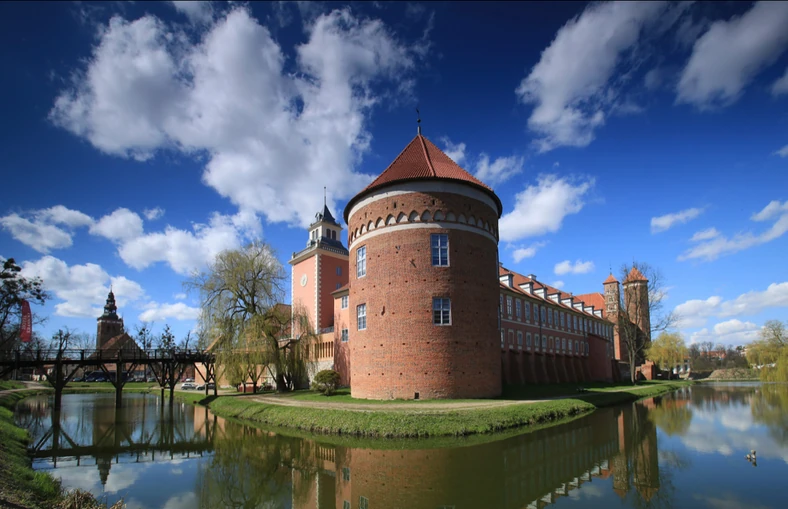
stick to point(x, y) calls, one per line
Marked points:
point(553, 317)
point(439, 244)
point(441, 313)
point(548, 344)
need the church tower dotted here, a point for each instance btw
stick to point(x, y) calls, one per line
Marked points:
point(612, 306)
point(318, 270)
point(636, 301)
point(109, 324)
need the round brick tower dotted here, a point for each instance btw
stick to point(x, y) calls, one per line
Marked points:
point(424, 288)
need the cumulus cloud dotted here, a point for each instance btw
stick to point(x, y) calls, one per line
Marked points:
point(156, 312)
point(46, 229)
point(121, 224)
point(179, 296)
point(455, 151)
point(541, 208)
point(718, 245)
point(567, 267)
point(574, 84)
point(153, 214)
point(498, 171)
point(662, 223)
point(732, 332)
point(731, 53)
point(706, 234)
point(197, 11)
point(81, 288)
point(558, 284)
point(783, 152)
point(695, 313)
point(520, 253)
point(273, 133)
point(781, 85)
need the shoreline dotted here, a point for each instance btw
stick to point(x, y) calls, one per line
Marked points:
point(386, 421)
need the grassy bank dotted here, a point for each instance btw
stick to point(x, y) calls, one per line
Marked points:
point(386, 421)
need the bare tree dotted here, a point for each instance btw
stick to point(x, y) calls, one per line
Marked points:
point(641, 311)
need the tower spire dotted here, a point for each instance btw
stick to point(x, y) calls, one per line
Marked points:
point(418, 122)
point(324, 196)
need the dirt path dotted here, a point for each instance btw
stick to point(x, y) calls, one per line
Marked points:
point(28, 386)
point(426, 406)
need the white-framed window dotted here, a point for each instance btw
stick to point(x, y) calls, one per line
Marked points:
point(361, 261)
point(441, 311)
point(344, 335)
point(575, 327)
point(555, 317)
point(520, 339)
point(344, 301)
point(544, 342)
point(544, 314)
point(509, 306)
point(518, 309)
point(339, 271)
point(363, 503)
point(563, 319)
point(528, 340)
point(528, 311)
point(550, 317)
point(346, 504)
point(440, 249)
point(361, 316)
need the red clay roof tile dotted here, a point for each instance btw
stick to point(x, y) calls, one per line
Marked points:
point(610, 279)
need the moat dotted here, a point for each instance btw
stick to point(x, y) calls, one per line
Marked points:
point(685, 449)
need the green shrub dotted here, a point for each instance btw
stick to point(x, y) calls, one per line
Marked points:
point(326, 382)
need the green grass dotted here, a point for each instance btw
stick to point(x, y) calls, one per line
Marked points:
point(10, 384)
point(426, 422)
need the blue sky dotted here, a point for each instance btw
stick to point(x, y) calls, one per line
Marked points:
point(140, 139)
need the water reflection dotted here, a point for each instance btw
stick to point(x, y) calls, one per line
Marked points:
point(679, 450)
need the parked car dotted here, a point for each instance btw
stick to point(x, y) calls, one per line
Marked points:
point(152, 379)
point(200, 387)
point(187, 386)
point(78, 379)
point(189, 380)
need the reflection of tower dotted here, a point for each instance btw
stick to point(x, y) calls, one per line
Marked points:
point(109, 324)
point(104, 463)
point(646, 461)
point(637, 463)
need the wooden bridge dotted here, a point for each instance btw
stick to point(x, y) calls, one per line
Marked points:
point(60, 366)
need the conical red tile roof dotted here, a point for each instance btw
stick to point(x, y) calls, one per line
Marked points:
point(635, 275)
point(610, 279)
point(422, 160)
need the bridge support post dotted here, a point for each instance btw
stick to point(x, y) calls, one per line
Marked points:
point(119, 382)
point(58, 385)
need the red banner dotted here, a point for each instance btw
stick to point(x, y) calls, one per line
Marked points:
point(26, 331)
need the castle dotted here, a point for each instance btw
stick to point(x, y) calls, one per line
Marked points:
point(425, 309)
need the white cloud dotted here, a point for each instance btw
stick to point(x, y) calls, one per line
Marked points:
point(573, 82)
point(706, 234)
point(541, 208)
point(82, 288)
point(558, 284)
point(156, 312)
point(694, 313)
point(186, 251)
point(273, 136)
point(732, 332)
point(455, 151)
point(783, 152)
point(179, 296)
point(662, 223)
point(121, 224)
point(781, 85)
point(567, 267)
point(731, 53)
point(40, 230)
point(500, 170)
point(196, 11)
point(720, 245)
point(522, 252)
point(153, 214)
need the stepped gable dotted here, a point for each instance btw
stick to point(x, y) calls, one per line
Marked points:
point(422, 160)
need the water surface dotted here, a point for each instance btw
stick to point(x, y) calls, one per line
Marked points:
point(686, 449)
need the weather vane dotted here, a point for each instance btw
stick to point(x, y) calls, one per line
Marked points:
point(418, 120)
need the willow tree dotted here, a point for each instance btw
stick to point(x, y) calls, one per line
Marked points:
point(241, 295)
point(668, 350)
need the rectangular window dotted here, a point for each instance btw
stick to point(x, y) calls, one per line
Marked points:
point(440, 249)
point(544, 342)
point(520, 338)
point(511, 337)
point(563, 322)
point(361, 315)
point(528, 311)
point(575, 320)
point(363, 503)
point(550, 343)
point(550, 317)
point(555, 317)
point(361, 261)
point(344, 335)
point(339, 285)
point(563, 344)
point(346, 505)
point(344, 301)
point(528, 340)
point(544, 314)
point(509, 306)
point(346, 475)
point(339, 271)
point(517, 309)
point(502, 333)
point(441, 311)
